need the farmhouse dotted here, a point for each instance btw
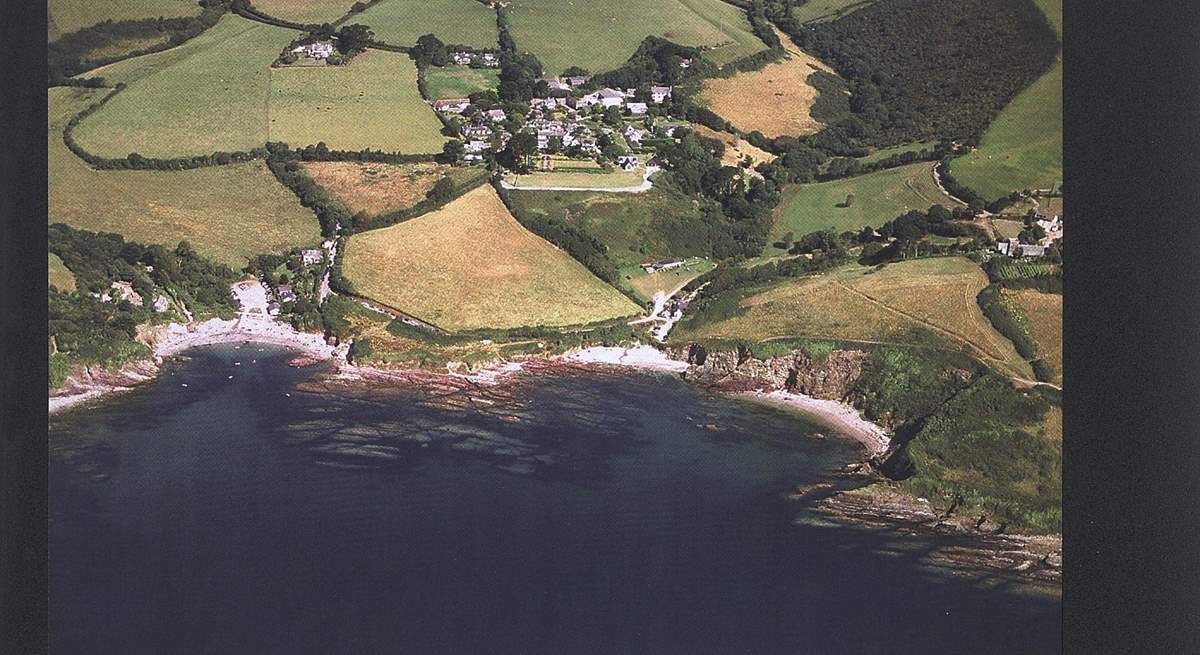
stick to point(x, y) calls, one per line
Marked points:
point(495, 114)
point(637, 108)
point(286, 293)
point(312, 257)
point(634, 136)
point(662, 265)
point(489, 60)
point(1014, 248)
point(659, 93)
point(475, 146)
point(628, 162)
point(577, 80)
point(452, 105)
point(556, 85)
point(476, 131)
point(461, 58)
point(316, 50)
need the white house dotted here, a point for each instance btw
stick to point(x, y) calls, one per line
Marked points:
point(312, 257)
point(634, 136)
point(452, 105)
point(462, 58)
point(659, 93)
point(628, 162)
point(610, 97)
point(637, 108)
point(160, 304)
point(662, 265)
point(316, 50)
point(495, 114)
point(476, 146)
point(1014, 248)
point(556, 85)
point(577, 80)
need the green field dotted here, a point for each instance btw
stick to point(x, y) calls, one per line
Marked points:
point(228, 213)
point(459, 81)
point(826, 10)
point(644, 285)
point(924, 302)
point(878, 198)
point(884, 153)
point(1022, 148)
point(371, 103)
point(63, 16)
point(58, 275)
point(470, 265)
point(209, 94)
point(457, 22)
point(581, 178)
point(635, 227)
point(601, 35)
point(305, 11)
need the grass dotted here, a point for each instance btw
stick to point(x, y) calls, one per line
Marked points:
point(471, 265)
point(209, 94)
point(776, 100)
point(928, 302)
point(733, 153)
point(63, 16)
point(1043, 312)
point(305, 11)
point(826, 10)
point(884, 153)
point(460, 22)
point(1022, 148)
point(601, 35)
point(645, 285)
point(58, 275)
point(459, 81)
point(371, 103)
point(579, 177)
point(379, 188)
point(878, 198)
point(635, 227)
point(229, 213)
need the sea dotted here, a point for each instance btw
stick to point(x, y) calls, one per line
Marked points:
point(237, 504)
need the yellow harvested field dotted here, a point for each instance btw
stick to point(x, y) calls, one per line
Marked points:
point(735, 149)
point(1044, 311)
point(376, 188)
point(58, 275)
point(471, 265)
point(776, 100)
point(902, 303)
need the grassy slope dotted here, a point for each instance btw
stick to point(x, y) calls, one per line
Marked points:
point(402, 22)
point(927, 302)
point(601, 35)
point(645, 285)
point(775, 100)
point(878, 198)
point(371, 103)
point(824, 10)
point(1045, 317)
point(209, 94)
point(57, 274)
point(629, 224)
point(378, 188)
point(471, 265)
point(459, 81)
point(305, 11)
point(583, 179)
point(884, 153)
point(1022, 148)
point(65, 16)
point(227, 212)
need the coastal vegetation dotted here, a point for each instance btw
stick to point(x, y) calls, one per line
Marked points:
point(228, 213)
point(471, 265)
point(610, 30)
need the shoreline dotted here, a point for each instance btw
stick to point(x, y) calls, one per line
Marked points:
point(841, 417)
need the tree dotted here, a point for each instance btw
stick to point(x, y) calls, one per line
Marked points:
point(360, 349)
point(442, 190)
point(1032, 235)
point(613, 116)
point(521, 147)
point(849, 200)
point(430, 51)
point(452, 151)
point(353, 39)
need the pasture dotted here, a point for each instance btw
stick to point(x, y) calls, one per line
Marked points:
point(470, 265)
point(600, 35)
point(776, 100)
point(923, 302)
point(209, 94)
point(884, 153)
point(64, 16)
point(371, 103)
point(1043, 312)
point(878, 198)
point(459, 81)
point(455, 22)
point(58, 275)
point(826, 10)
point(228, 213)
point(1022, 148)
point(644, 285)
point(581, 177)
point(377, 188)
point(305, 11)
point(636, 227)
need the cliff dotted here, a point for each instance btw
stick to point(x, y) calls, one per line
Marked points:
point(828, 378)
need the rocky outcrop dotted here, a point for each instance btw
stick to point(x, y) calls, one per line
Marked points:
point(827, 378)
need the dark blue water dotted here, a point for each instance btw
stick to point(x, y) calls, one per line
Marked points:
point(576, 513)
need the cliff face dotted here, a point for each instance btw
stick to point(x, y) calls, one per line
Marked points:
point(830, 378)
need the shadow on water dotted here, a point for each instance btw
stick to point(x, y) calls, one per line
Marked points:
point(568, 513)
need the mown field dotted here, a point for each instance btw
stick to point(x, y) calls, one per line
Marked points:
point(601, 35)
point(371, 103)
point(878, 198)
point(460, 22)
point(928, 302)
point(635, 227)
point(57, 274)
point(1022, 148)
point(472, 265)
point(229, 213)
point(378, 188)
point(776, 100)
point(581, 178)
point(63, 16)
point(459, 81)
point(1043, 312)
point(305, 11)
point(209, 94)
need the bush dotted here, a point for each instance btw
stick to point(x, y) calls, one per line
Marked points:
point(1043, 370)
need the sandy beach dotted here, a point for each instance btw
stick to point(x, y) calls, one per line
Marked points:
point(643, 357)
point(840, 417)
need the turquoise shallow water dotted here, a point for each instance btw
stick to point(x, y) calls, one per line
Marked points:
point(574, 513)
